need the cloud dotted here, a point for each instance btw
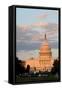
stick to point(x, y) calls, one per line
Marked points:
point(33, 25)
point(38, 37)
point(32, 39)
point(40, 24)
point(42, 16)
point(27, 46)
point(22, 55)
point(25, 35)
point(51, 31)
point(52, 26)
point(23, 27)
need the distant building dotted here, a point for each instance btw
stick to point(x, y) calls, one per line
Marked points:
point(44, 62)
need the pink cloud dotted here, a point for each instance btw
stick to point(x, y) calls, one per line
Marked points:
point(39, 24)
point(37, 37)
point(24, 27)
point(51, 33)
point(42, 16)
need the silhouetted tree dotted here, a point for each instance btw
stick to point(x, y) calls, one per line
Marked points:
point(34, 68)
point(28, 68)
point(19, 65)
point(56, 67)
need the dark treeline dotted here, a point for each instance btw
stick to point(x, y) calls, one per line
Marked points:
point(19, 65)
point(56, 67)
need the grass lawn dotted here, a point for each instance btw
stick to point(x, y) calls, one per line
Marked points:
point(41, 78)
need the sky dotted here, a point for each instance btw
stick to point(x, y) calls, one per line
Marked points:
point(31, 27)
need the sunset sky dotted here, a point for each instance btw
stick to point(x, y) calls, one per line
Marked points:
point(31, 26)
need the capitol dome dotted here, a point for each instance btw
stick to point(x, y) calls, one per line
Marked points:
point(44, 60)
point(44, 49)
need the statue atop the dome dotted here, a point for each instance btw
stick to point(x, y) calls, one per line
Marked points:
point(45, 37)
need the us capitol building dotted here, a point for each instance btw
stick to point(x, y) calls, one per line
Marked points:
point(44, 61)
